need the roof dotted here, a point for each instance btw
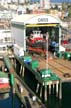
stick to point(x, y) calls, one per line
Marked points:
point(35, 19)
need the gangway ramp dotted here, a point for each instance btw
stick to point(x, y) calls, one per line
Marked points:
point(26, 96)
point(26, 91)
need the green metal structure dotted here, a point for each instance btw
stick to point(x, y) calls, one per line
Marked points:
point(44, 75)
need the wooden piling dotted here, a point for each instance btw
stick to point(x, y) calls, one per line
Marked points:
point(37, 88)
point(45, 93)
point(49, 89)
point(60, 89)
point(57, 88)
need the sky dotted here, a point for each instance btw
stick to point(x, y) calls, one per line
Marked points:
point(60, 0)
point(54, 0)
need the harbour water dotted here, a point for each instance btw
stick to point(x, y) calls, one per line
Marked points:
point(10, 102)
point(52, 102)
point(66, 101)
point(66, 98)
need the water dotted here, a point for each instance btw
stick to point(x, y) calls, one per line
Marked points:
point(7, 103)
point(51, 103)
point(66, 98)
point(66, 101)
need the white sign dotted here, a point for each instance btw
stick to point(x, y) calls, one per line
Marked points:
point(42, 19)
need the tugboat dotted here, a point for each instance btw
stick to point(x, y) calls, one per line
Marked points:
point(4, 85)
point(37, 42)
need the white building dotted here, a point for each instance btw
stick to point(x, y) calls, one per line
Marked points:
point(5, 37)
point(23, 23)
point(45, 4)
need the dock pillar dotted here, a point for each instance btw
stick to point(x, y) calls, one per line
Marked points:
point(37, 88)
point(41, 91)
point(49, 89)
point(53, 88)
point(45, 93)
point(60, 89)
point(57, 88)
point(22, 71)
point(18, 66)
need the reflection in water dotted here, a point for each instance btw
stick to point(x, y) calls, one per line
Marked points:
point(4, 96)
point(53, 102)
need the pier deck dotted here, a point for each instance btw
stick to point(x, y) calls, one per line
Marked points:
point(61, 67)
